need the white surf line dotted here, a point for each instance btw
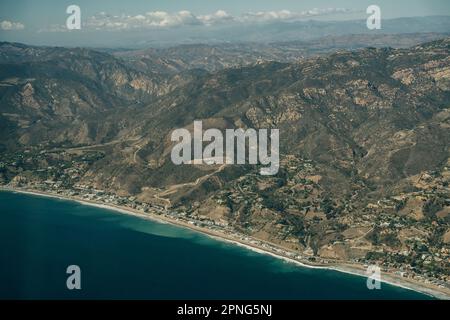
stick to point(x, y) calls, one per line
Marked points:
point(425, 291)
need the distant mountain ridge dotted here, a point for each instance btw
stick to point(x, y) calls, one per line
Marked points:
point(303, 30)
point(214, 57)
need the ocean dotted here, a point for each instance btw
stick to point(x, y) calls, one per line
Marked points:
point(126, 257)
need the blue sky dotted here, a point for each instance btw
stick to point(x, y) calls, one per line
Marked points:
point(38, 14)
point(27, 20)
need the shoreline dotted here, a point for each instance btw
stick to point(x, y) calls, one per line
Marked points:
point(353, 269)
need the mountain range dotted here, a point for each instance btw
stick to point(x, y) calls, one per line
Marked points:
point(364, 136)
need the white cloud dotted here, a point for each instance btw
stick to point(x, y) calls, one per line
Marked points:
point(54, 28)
point(264, 16)
point(153, 19)
point(220, 16)
point(9, 25)
point(163, 19)
point(286, 15)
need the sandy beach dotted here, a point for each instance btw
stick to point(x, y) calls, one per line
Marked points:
point(358, 270)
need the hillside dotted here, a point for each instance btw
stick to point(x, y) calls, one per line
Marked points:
point(364, 138)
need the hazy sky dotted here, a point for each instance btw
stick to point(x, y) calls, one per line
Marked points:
point(34, 21)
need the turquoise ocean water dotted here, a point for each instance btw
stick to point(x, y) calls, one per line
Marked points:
point(125, 257)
